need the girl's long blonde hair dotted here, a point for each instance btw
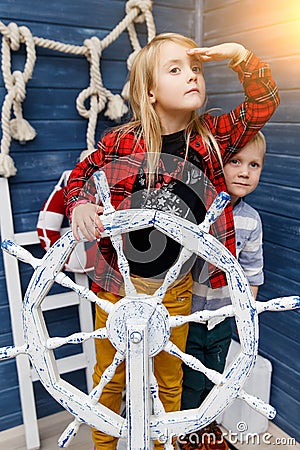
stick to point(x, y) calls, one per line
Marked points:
point(145, 121)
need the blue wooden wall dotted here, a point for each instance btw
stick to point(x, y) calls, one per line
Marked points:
point(272, 31)
point(61, 136)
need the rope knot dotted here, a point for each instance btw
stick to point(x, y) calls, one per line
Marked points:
point(94, 47)
point(19, 86)
point(143, 5)
point(7, 166)
point(13, 36)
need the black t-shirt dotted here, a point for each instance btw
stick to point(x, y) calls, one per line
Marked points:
point(178, 189)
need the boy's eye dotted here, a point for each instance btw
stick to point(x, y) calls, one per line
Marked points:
point(254, 164)
point(234, 161)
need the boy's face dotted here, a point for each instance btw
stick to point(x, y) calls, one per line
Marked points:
point(242, 172)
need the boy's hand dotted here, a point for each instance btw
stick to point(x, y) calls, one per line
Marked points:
point(85, 216)
point(234, 51)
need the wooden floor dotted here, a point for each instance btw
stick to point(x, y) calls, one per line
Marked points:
point(51, 428)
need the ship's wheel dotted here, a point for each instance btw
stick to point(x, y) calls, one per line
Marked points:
point(139, 327)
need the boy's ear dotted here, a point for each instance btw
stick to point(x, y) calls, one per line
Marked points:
point(152, 97)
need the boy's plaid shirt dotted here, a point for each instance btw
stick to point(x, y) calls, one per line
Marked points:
point(122, 160)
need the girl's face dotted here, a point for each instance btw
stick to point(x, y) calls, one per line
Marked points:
point(179, 87)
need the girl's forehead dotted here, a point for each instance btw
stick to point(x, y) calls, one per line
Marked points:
point(175, 51)
point(174, 47)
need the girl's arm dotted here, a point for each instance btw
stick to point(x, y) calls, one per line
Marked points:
point(235, 52)
point(80, 200)
point(234, 130)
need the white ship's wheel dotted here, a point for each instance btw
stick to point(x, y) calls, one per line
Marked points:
point(141, 309)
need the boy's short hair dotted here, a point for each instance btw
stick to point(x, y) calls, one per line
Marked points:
point(260, 140)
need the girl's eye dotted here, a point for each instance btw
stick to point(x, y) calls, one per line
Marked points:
point(197, 69)
point(175, 70)
point(254, 165)
point(234, 161)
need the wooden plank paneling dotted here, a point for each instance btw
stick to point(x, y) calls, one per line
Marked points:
point(272, 197)
point(232, 18)
point(289, 321)
point(281, 230)
point(286, 406)
point(277, 286)
point(283, 168)
point(6, 339)
point(105, 15)
point(289, 145)
point(275, 255)
point(273, 33)
point(280, 40)
point(48, 165)
point(51, 104)
point(282, 351)
point(10, 403)
point(8, 366)
point(49, 136)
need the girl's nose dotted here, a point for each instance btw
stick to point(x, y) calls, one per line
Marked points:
point(191, 75)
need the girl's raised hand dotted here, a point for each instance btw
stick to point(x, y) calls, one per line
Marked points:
point(85, 216)
point(231, 50)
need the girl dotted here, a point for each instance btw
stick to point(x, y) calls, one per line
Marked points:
point(166, 90)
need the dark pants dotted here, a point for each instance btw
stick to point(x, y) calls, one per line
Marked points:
point(211, 348)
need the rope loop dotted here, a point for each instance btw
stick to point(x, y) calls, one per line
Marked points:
point(142, 5)
point(131, 58)
point(84, 95)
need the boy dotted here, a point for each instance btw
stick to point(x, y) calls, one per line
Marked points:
point(210, 342)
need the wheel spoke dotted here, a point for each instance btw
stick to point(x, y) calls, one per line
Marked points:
point(76, 338)
point(83, 292)
point(123, 264)
point(172, 274)
point(158, 407)
point(106, 377)
point(202, 316)
point(193, 362)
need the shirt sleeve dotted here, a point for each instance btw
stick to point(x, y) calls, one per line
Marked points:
point(235, 129)
point(79, 187)
point(250, 256)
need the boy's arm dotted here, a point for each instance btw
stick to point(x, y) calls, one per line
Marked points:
point(254, 291)
point(249, 245)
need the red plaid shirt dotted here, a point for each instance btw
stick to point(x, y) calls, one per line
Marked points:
point(121, 160)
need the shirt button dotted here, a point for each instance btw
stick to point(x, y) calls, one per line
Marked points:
point(197, 144)
point(238, 244)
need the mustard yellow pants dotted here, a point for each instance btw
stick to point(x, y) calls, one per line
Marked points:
point(167, 368)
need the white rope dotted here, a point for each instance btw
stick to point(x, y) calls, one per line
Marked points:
point(99, 97)
point(15, 83)
point(145, 6)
